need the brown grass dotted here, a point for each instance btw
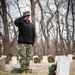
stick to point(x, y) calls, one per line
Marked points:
point(72, 71)
point(40, 71)
point(35, 72)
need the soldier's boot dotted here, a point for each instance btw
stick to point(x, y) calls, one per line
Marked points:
point(27, 71)
point(24, 72)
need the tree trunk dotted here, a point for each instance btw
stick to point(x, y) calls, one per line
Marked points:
point(73, 23)
point(33, 21)
point(6, 41)
point(67, 29)
point(0, 49)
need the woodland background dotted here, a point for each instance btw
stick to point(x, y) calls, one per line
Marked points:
point(54, 22)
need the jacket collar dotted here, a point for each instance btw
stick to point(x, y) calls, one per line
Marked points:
point(27, 21)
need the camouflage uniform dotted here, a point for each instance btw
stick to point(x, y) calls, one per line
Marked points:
point(26, 39)
point(24, 52)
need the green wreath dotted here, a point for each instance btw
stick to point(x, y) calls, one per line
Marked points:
point(52, 69)
point(51, 59)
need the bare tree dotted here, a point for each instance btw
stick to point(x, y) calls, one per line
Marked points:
point(67, 30)
point(73, 23)
point(1, 43)
point(56, 34)
point(33, 2)
point(6, 41)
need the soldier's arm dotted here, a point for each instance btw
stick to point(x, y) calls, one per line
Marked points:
point(17, 22)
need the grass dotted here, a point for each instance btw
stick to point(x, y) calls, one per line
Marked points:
point(72, 71)
point(39, 71)
point(5, 73)
point(35, 72)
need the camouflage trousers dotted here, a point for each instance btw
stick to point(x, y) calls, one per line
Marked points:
point(25, 55)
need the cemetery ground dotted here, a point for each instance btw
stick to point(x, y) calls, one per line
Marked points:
point(37, 69)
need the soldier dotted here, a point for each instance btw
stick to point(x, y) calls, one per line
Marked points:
point(26, 40)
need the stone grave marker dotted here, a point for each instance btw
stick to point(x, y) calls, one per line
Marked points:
point(70, 57)
point(45, 59)
point(56, 58)
point(3, 56)
point(35, 56)
point(14, 60)
point(63, 65)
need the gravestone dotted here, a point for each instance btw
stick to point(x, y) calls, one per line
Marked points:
point(3, 56)
point(45, 59)
point(63, 65)
point(14, 60)
point(35, 56)
point(70, 57)
point(56, 58)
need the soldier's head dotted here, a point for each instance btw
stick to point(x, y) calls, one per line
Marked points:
point(26, 15)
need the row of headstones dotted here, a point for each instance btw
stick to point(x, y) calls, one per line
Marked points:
point(3, 61)
point(13, 59)
point(44, 58)
point(63, 64)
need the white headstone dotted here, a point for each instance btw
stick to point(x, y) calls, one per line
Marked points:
point(35, 56)
point(56, 58)
point(45, 59)
point(3, 56)
point(14, 60)
point(63, 65)
point(70, 57)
